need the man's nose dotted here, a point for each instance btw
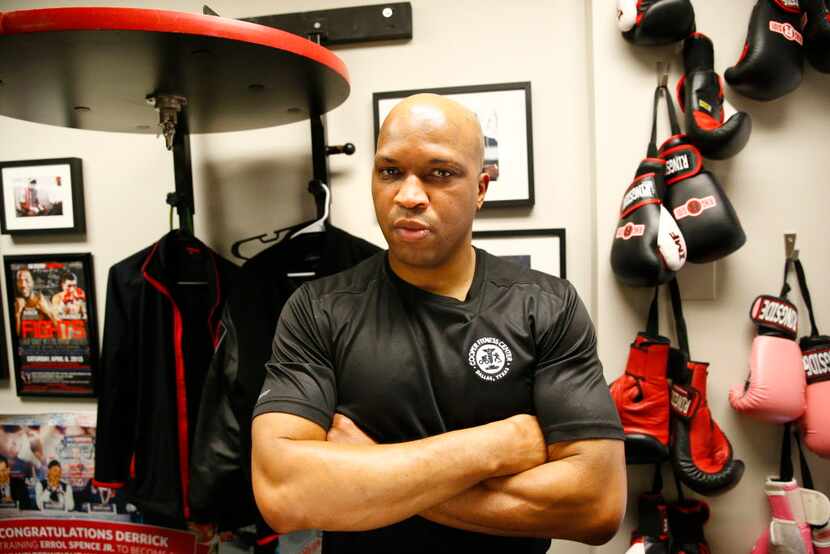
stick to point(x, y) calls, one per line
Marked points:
point(412, 195)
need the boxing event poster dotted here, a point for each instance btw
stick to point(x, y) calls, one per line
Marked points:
point(49, 503)
point(54, 330)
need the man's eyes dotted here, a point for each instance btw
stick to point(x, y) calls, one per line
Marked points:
point(388, 171)
point(443, 173)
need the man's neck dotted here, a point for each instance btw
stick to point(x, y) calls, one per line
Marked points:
point(452, 279)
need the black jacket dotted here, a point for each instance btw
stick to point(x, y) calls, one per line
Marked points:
point(221, 483)
point(160, 332)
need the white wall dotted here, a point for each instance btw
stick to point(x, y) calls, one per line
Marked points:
point(775, 185)
point(591, 101)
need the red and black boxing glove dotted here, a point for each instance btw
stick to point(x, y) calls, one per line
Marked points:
point(700, 96)
point(655, 22)
point(700, 452)
point(641, 396)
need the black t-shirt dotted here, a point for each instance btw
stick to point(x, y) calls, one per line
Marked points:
point(406, 364)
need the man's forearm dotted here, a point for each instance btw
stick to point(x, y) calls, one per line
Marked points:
point(560, 499)
point(316, 484)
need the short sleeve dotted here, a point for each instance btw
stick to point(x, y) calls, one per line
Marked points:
point(299, 378)
point(570, 393)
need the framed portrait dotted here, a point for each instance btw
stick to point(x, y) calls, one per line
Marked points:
point(51, 300)
point(504, 111)
point(42, 197)
point(539, 249)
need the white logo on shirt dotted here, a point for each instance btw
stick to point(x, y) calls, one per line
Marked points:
point(264, 393)
point(491, 358)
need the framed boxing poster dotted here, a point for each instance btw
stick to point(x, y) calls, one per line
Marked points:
point(539, 249)
point(504, 111)
point(42, 197)
point(51, 301)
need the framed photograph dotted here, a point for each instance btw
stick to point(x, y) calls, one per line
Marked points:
point(51, 301)
point(42, 196)
point(539, 249)
point(505, 116)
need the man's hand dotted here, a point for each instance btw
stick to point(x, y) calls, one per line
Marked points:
point(344, 431)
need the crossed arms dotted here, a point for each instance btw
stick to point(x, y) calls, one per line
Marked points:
point(498, 478)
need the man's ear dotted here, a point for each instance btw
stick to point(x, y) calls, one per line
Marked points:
point(483, 184)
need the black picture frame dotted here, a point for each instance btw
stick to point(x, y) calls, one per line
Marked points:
point(512, 115)
point(556, 266)
point(57, 354)
point(17, 218)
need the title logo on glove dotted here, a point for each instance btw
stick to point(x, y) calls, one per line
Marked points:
point(630, 230)
point(770, 311)
point(693, 207)
point(787, 31)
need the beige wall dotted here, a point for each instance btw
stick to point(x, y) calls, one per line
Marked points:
point(775, 186)
point(591, 96)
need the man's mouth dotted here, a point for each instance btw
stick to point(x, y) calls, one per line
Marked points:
point(410, 229)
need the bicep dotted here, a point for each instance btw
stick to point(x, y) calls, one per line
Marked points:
point(271, 426)
point(270, 431)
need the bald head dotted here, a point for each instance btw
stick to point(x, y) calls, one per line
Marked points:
point(436, 118)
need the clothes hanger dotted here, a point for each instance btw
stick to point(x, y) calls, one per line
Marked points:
point(183, 236)
point(321, 195)
point(319, 224)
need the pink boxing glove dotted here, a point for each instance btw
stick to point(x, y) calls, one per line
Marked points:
point(776, 387)
point(815, 356)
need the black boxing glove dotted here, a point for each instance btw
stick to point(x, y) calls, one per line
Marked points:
point(772, 61)
point(648, 247)
point(655, 22)
point(816, 29)
point(700, 96)
point(698, 203)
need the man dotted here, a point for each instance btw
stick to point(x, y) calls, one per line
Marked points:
point(70, 302)
point(31, 304)
point(13, 491)
point(52, 493)
point(478, 380)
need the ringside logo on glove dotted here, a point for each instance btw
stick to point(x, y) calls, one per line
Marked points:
point(777, 313)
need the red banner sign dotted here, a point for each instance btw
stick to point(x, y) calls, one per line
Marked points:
point(67, 536)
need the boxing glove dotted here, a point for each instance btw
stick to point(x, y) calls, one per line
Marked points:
point(655, 22)
point(815, 357)
point(652, 533)
point(816, 29)
point(774, 391)
point(700, 96)
point(648, 247)
point(686, 521)
point(794, 512)
point(772, 61)
point(641, 396)
point(700, 452)
point(701, 208)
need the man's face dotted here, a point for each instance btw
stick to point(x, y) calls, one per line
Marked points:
point(5, 473)
point(426, 187)
point(54, 473)
point(69, 286)
point(25, 283)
